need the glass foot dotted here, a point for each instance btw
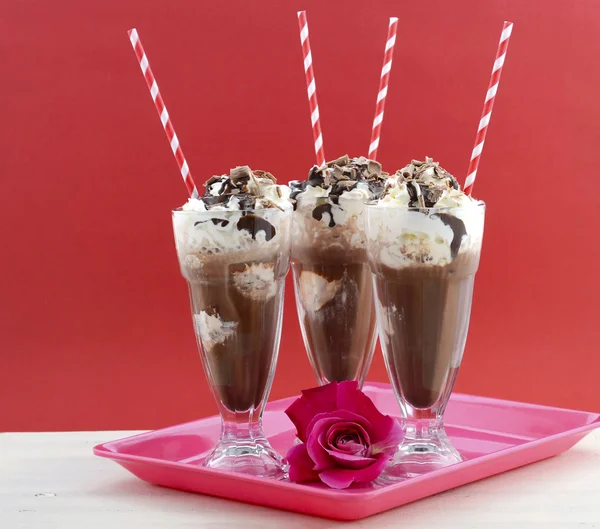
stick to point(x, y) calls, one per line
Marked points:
point(418, 456)
point(255, 458)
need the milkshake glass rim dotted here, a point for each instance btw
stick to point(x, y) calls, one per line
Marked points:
point(310, 200)
point(213, 212)
point(479, 206)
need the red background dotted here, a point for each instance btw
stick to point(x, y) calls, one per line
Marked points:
point(95, 331)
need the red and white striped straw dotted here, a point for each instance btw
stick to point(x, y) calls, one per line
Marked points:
point(311, 88)
point(488, 106)
point(162, 112)
point(383, 87)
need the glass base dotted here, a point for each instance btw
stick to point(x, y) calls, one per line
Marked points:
point(252, 457)
point(423, 450)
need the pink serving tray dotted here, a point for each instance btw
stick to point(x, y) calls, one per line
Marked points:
point(492, 435)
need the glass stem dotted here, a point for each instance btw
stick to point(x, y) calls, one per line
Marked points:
point(241, 428)
point(424, 429)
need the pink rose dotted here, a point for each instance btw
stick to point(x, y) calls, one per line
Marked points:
point(345, 439)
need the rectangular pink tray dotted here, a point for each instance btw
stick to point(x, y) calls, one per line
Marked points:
point(492, 435)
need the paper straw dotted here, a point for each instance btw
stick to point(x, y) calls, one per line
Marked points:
point(162, 112)
point(488, 106)
point(311, 88)
point(383, 87)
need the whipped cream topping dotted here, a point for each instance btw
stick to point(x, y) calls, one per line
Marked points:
point(424, 217)
point(220, 231)
point(414, 237)
point(338, 190)
point(224, 222)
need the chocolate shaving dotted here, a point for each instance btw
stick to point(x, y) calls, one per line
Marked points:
point(315, 178)
point(343, 169)
point(212, 180)
point(340, 175)
point(344, 185)
point(240, 173)
point(210, 200)
point(431, 195)
point(374, 167)
point(414, 192)
point(265, 175)
point(242, 183)
point(432, 180)
point(342, 160)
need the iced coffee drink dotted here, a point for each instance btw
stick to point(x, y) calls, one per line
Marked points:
point(424, 238)
point(332, 279)
point(233, 245)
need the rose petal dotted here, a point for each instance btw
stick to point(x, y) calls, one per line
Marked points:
point(301, 465)
point(315, 440)
point(316, 443)
point(340, 429)
point(341, 478)
point(352, 399)
point(322, 398)
point(342, 415)
point(350, 461)
point(313, 401)
point(349, 447)
point(337, 478)
point(316, 431)
point(300, 415)
point(361, 456)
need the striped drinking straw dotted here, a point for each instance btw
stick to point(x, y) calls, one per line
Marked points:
point(383, 87)
point(487, 107)
point(311, 89)
point(162, 112)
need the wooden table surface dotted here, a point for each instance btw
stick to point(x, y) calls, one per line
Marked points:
point(52, 481)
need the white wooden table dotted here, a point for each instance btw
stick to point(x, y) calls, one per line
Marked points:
point(52, 481)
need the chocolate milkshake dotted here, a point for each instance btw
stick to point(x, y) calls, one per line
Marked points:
point(331, 274)
point(424, 239)
point(233, 245)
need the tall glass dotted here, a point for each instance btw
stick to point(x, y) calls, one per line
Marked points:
point(334, 292)
point(424, 263)
point(235, 263)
